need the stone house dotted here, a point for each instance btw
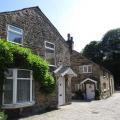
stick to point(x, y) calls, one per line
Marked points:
point(90, 76)
point(30, 28)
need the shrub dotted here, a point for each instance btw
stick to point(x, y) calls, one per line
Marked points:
point(3, 116)
point(14, 56)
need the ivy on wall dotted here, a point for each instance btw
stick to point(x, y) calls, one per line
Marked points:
point(14, 56)
point(3, 116)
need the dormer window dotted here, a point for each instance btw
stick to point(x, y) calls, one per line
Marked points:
point(14, 34)
point(50, 53)
point(85, 69)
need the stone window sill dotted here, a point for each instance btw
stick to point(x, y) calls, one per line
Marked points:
point(17, 105)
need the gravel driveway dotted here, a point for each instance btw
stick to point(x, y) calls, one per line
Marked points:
point(108, 109)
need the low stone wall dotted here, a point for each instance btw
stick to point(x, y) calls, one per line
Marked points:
point(44, 101)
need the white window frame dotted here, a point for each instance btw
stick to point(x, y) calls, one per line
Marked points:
point(46, 47)
point(16, 32)
point(15, 104)
point(83, 68)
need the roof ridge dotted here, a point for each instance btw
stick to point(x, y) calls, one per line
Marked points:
point(34, 7)
point(101, 66)
point(39, 11)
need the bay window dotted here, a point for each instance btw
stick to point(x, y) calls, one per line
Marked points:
point(18, 90)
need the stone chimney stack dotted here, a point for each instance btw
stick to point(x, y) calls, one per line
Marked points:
point(70, 42)
point(68, 35)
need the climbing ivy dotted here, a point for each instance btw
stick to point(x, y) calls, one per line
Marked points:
point(14, 56)
point(3, 116)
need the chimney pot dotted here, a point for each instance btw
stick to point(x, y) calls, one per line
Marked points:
point(70, 42)
point(71, 39)
point(68, 36)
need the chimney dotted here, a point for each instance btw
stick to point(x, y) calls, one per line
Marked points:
point(68, 35)
point(70, 42)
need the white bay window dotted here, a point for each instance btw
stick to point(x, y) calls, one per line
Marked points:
point(18, 90)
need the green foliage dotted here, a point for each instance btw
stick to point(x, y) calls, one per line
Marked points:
point(49, 83)
point(111, 46)
point(111, 36)
point(107, 53)
point(92, 51)
point(38, 65)
point(14, 56)
point(3, 116)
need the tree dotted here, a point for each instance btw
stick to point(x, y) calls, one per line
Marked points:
point(111, 48)
point(93, 51)
point(107, 53)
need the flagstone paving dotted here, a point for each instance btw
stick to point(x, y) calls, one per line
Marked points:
point(108, 109)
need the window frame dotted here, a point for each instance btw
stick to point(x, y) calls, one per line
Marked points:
point(15, 103)
point(83, 68)
point(49, 47)
point(46, 47)
point(16, 32)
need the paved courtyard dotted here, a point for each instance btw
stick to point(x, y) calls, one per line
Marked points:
point(108, 109)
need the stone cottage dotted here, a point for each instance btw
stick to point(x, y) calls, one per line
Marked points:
point(30, 28)
point(91, 77)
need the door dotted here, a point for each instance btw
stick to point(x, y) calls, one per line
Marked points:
point(61, 91)
point(90, 91)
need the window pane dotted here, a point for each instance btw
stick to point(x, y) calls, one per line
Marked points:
point(52, 68)
point(14, 37)
point(89, 69)
point(15, 28)
point(23, 90)
point(9, 73)
point(85, 69)
point(50, 57)
point(49, 51)
point(23, 74)
point(81, 69)
point(8, 92)
point(49, 45)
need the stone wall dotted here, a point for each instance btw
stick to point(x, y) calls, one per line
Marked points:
point(36, 30)
point(77, 60)
point(106, 83)
point(99, 74)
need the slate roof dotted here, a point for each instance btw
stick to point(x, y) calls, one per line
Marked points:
point(63, 70)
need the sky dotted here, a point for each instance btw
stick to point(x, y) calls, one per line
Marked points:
point(85, 20)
